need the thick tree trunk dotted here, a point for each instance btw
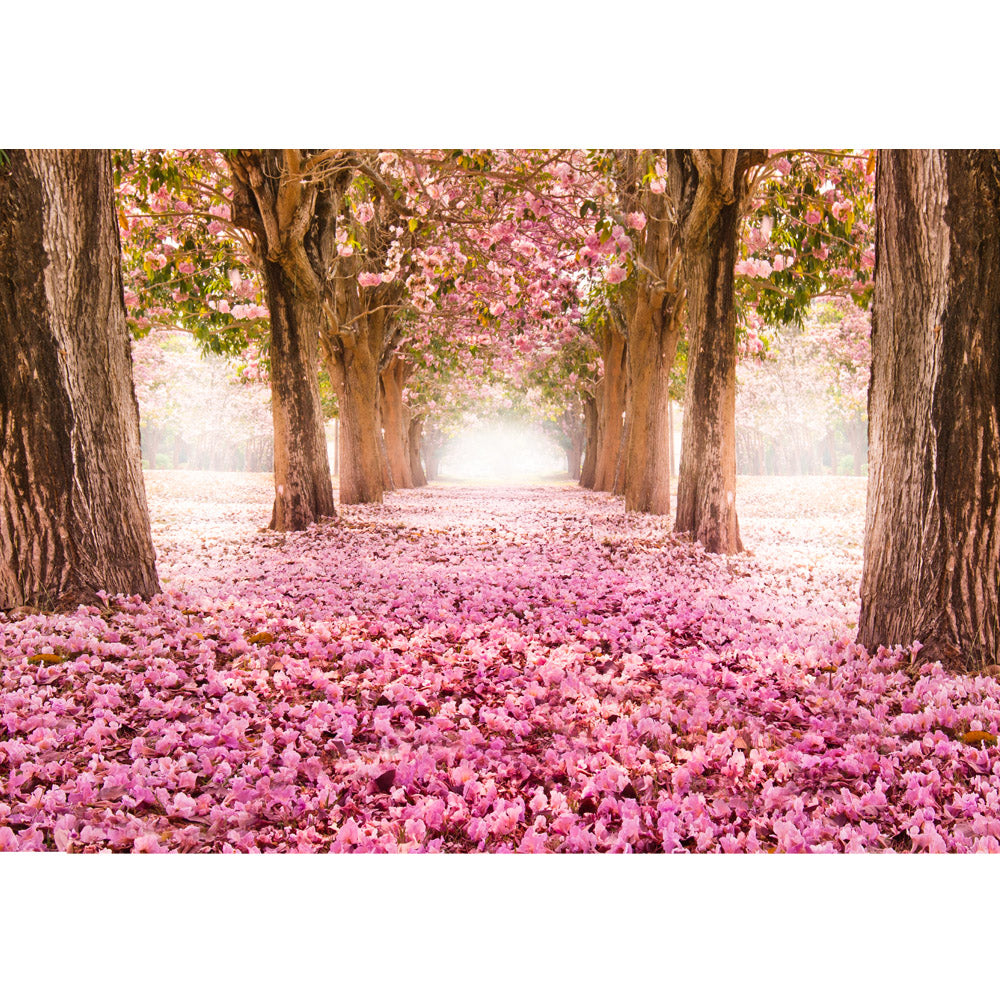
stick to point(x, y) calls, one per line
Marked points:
point(587, 473)
point(396, 422)
point(302, 482)
point(706, 483)
point(654, 327)
point(707, 188)
point(610, 407)
point(651, 350)
point(290, 215)
point(932, 534)
point(362, 475)
point(73, 516)
point(415, 440)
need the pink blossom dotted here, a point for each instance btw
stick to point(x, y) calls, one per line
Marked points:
point(368, 280)
point(615, 274)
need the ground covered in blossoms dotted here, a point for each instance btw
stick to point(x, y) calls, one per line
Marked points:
point(489, 669)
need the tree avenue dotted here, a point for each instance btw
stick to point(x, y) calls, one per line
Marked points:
point(73, 517)
point(472, 651)
point(582, 289)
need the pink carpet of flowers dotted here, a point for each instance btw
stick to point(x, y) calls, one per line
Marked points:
point(489, 669)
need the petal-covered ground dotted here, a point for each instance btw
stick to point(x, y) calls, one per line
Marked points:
point(489, 669)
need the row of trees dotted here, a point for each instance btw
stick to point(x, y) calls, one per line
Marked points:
point(383, 265)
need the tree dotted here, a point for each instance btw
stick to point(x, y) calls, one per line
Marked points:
point(396, 420)
point(709, 191)
point(653, 307)
point(283, 198)
point(609, 398)
point(932, 535)
point(74, 520)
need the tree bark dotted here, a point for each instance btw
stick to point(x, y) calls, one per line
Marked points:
point(303, 485)
point(415, 440)
point(396, 421)
point(859, 445)
point(610, 407)
point(932, 533)
point(653, 329)
point(149, 440)
point(362, 479)
point(707, 189)
point(587, 473)
point(73, 515)
point(652, 348)
point(291, 218)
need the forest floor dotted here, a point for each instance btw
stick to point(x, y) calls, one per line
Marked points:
point(501, 668)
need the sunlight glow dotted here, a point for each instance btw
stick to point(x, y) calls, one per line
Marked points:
point(507, 451)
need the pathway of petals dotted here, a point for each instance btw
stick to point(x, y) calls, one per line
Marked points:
point(494, 669)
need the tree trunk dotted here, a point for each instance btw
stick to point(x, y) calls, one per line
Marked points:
point(362, 478)
point(670, 435)
point(396, 422)
point(73, 516)
point(932, 534)
point(610, 407)
point(587, 473)
point(415, 439)
point(574, 456)
point(432, 459)
point(859, 445)
point(652, 346)
point(708, 187)
point(302, 482)
point(653, 309)
point(149, 440)
point(290, 214)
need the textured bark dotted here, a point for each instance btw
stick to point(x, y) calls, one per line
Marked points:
point(653, 336)
point(291, 218)
point(932, 535)
point(303, 485)
point(587, 473)
point(149, 440)
point(707, 190)
point(362, 475)
point(73, 516)
point(857, 436)
point(574, 458)
point(653, 329)
point(358, 339)
point(432, 446)
point(610, 406)
point(415, 441)
point(396, 421)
